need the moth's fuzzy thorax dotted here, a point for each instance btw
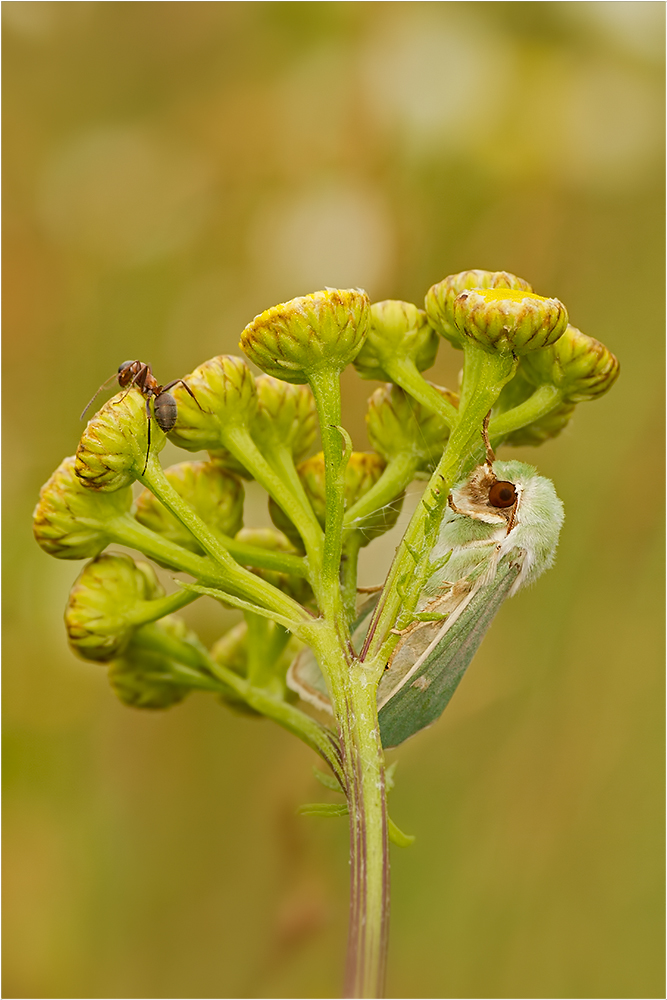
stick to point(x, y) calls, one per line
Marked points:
point(472, 497)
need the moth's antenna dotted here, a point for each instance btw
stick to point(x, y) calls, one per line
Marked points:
point(490, 457)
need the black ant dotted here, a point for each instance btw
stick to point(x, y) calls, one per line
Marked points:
point(165, 409)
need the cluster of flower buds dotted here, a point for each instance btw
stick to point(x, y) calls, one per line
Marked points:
point(265, 428)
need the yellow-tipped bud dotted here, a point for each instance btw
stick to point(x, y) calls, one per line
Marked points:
point(580, 366)
point(286, 416)
point(509, 320)
point(69, 519)
point(226, 396)
point(397, 329)
point(215, 494)
point(397, 424)
point(113, 448)
point(99, 615)
point(297, 339)
point(440, 298)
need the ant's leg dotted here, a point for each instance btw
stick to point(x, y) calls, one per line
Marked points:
point(148, 446)
point(135, 381)
point(181, 381)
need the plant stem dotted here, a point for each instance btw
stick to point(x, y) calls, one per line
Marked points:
point(325, 386)
point(286, 490)
point(543, 401)
point(405, 373)
point(398, 473)
point(313, 733)
point(354, 701)
point(352, 544)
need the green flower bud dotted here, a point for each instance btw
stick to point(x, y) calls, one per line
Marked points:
point(225, 460)
point(362, 472)
point(580, 366)
point(509, 320)
point(276, 541)
point(113, 448)
point(397, 424)
point(226, 396)
point(396, 328)
point(99, 614)
point(215, 494)
point(440, 298)
point(286, 416)
point(296, 339)
point(141, 678)
point(69, 519)
point(230, 649)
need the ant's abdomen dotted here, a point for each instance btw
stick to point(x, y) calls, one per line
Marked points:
point(165, 410)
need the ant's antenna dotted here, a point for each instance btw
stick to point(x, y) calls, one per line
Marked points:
point(90, 401)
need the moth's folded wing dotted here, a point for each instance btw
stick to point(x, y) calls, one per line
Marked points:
point(305, 678)
point(430, 661)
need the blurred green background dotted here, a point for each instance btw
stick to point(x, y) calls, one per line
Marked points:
point(171, 169)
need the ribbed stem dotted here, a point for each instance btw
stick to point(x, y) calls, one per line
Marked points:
point(405, 373)
point(543, 401)
point(354, 701)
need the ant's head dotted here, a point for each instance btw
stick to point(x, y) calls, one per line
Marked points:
point(125, 364)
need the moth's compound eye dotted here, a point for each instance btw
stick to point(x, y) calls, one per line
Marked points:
point(502, 494)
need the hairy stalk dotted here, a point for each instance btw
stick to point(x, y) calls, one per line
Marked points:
point(543, 401)
point(354, 700)
point(288, 492)
point(398, 473)
point(325, 386)
point(405, 373)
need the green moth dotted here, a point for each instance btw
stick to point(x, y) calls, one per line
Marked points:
point(499, 533)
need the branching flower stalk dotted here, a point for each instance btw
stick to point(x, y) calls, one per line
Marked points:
point(377, 674)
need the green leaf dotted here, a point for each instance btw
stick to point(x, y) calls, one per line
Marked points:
point(397, 836)
point(322, 809)
point(328, 780)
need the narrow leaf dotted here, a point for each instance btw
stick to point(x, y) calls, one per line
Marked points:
point(397, 836)
point(322, 809)
point(328, 780)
